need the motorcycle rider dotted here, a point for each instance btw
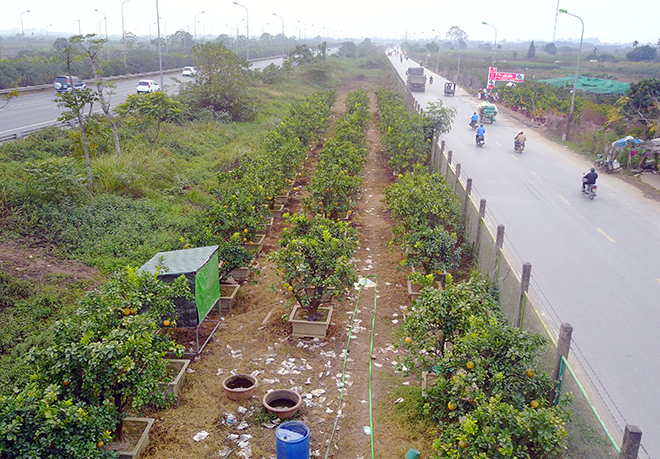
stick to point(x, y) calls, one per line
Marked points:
point(520, 139)
point(589, 178)
point(431, 79)
point(480, 132)
point(474, 120)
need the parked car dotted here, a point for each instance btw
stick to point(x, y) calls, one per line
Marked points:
point(189, 71)
point(147, 86)
point(66, 84)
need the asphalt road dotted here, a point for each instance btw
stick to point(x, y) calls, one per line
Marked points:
point(596, 261)
point(38, 110)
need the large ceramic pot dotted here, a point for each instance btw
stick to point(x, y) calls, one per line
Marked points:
point(282, 402)
point(240, 387)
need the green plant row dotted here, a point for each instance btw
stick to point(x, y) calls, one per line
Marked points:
point(489, 398)
point(314, 262)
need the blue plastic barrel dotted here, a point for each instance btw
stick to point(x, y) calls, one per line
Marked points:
point(292, 440)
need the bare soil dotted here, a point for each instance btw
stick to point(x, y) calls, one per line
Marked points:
point(254, 338)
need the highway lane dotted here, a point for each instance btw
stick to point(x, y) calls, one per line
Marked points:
point(595, 261)
point(40, 109)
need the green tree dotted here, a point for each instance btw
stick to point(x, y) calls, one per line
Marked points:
point(531, 51)
point(550, 48)
point(76, 102)
point(457, 35)
point(41, 423)
point(147, 112)
point(110, 349)
point(301, 54)
point(348, 49)
point(642, 53)
point(366, 49)
point(220, 86)
point(60, 44)
point(641, 102)
point(6, 98)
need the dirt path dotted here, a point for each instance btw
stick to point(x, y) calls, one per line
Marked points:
point(255, 339)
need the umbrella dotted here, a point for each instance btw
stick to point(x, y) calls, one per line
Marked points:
point(625, 141)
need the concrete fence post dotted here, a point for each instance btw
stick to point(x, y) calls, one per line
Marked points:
point(458, 175)
point(434, 151)
point(499, 242)
point(632, 438)
point(563, 346)
point(524, 287)
point(482, 215)
point(468, 190)
point(449, 155)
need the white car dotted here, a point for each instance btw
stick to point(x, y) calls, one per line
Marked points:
point(189, 72)
point(147, 86)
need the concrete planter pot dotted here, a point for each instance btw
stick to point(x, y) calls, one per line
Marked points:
point(228, 295)
point(277, 210)
point(282, 198)
point(241, 274)
point(282, 402)
point(134, 451)
point(303, 328)
point(256, 245)
point(180, 366)
point(240, 387)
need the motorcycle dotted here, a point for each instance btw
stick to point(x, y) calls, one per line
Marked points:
point(589, 190)
point(480, 140)
point(430, 80)
point(473, 125)
point(519, 146)
point(603, 164)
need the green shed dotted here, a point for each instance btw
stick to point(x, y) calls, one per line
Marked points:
point(200, 266)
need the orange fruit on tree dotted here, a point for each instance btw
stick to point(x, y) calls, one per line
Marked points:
point(166, 322)
point(529, 372)
point(245, 230)
point(534, 404)
point(451, 406)
point(470, 364)
point(290, 288)
point(462, 444)
point(408, 340)
point(127, 311)
point(133, 311)
point(99, 444)
point(66, 383)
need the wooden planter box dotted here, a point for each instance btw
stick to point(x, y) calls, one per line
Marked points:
point(269, 225)
point(228, 295)
point(415, 289)
point(181, 365)
point(306, 329)
point(136, 451)
point(428, 380)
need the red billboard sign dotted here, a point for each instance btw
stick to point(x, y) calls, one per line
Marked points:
point(494, 75)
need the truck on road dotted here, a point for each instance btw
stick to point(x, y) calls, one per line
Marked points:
point(416, 80)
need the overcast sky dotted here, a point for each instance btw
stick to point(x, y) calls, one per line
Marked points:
point(609, 20)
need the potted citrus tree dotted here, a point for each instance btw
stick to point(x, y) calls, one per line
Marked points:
point(314, 265)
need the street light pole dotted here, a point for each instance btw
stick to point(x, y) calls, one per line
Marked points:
point(247, 24)
point(50, 25)
point(275, 14)
point(240, 20)
point(123, 34)
point(495, 45)
point(305, 26)
point(203, 30)
point(160, 50)
point(106, 23)
point(195, 21)
point(577, 71)
point(167, 42)
point(22, 31)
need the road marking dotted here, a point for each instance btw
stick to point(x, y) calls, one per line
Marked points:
point(498, 144)
point(657, 279)
point(514, 156)
point(562, 198)
point(535, 175)
point(605, 234)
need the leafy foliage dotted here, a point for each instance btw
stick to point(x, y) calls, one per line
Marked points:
point(315, 259)
point(642, 53)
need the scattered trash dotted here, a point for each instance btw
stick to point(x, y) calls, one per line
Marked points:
point(241, 409)
point(243, 425)
point(219, 372)
point(201, 435)
point(318, 392)
point(367, 430)
point(230, 418)
point(328, 410)
point(378, 364)
point(398, 400)
point(189, 370)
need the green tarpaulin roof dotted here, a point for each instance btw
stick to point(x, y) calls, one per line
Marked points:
point(593, 85)
point(180, 261)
